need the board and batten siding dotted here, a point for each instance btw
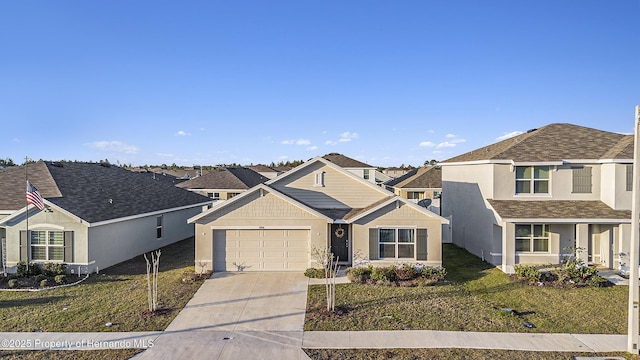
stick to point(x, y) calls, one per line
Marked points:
point(337, 185)
point(402, 216)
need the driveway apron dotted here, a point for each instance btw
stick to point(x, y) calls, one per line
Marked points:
point(243, 315)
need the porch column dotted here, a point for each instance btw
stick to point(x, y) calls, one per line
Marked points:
point(582, 241)
point(508, 247)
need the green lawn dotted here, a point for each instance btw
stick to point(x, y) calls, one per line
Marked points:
point(471, 300)
point(117, 295)
point(118, 354)
point(448, 354)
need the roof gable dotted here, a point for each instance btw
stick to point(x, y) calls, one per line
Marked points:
point(13, 184)
point(340, 188)
point(345, 161)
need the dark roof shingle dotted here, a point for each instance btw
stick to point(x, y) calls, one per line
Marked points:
point(345, 161)
point(557, 209)
point(225, 178)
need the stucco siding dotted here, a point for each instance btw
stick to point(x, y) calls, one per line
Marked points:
point(337, 185)
point(44, 220)
point(113, 243)
point(403, 216)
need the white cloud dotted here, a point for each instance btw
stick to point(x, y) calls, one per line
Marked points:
point(348, 136)
point(446, 144)
point(283, 157)
point(296, 142)
point(181, 133)
point(311, 148)
point(329, 142)
point(458, 141)
point(509, 135)
point(117, 146)
point(426, 144)
point(450, 136)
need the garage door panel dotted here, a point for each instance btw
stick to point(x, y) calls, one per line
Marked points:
point(261, 250)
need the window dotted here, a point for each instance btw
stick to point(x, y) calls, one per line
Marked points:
point(366, 174)
point(629, 177)
point(532, 238)
point(232, 194)
point(47, 245)
point(581, 180)
point(159, 227)
point(417, 195)
point(214, 195)
point(318, 178)
point(437, 194)
point(532, 179)
point(396, 243)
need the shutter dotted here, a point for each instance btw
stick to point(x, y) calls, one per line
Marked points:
point(24, 246)
point(582, 180)
point(421, 244)
point(68, 246)
point(373, 244)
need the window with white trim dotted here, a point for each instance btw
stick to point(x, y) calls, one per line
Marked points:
point(532, 179)
point(397, 243)
point(366, 174)
point(47, 245)
point(159, 227)
point(532, 238)
point(415, 195)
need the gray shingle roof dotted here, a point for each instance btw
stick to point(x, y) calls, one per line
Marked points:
point(399, 179)
point(345, 161)
point(557, 209)
point(225, 178)
point(13, 184)
point(95, 193)
point(428, 177)
point(555, 142)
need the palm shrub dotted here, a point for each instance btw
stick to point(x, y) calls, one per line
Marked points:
point(359, 275)
point(528, 272)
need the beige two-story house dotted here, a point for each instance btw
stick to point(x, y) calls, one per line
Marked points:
point(531, 198)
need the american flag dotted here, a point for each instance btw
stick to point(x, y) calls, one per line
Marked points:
point(34, 197)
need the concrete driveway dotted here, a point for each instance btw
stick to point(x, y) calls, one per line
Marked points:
point(244, 315)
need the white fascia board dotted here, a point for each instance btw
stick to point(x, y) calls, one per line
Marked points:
point(581, 161)
point(616, 161)
point(404, 201)
point(270, 227)
point(477, 162)
point(420, 189)
point(219, 204)
point(566, 221)
point(538, 163)
point(295, 169)
point(153, 213)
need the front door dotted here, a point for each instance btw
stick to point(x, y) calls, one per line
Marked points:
point(340, 242)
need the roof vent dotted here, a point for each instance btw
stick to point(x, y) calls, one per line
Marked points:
point(57, 164)
point(531, 130)
point(105, 164)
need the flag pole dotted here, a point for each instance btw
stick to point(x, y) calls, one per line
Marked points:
point(26, 176)
point(634, 261)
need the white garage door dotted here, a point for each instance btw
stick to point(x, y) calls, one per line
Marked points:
point(260, 250)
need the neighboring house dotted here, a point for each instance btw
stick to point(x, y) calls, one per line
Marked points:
point(277, 225)
point(224, 183)
point(395, 172)
point(360, 169)
point(422, 186)
point(96, 215)
point(264, 170)
point(532, 198)
point(181, 174)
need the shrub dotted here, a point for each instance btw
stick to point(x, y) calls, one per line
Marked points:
point(40, 277)
point(528, 272)
point(53, 269)
point(405, 272)
point(60, 279)
point(13, 283)
point(384, 274)
point(21, 269)
point(433, 273)
point(44, 283)
point(359, 275)
point(315, 273)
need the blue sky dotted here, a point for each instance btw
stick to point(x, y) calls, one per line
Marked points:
point(386, 82)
